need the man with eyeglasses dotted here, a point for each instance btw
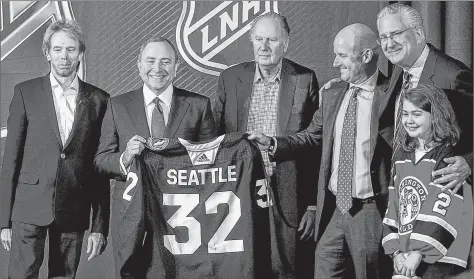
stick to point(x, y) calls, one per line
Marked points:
point(403, 42)
point(355, 161)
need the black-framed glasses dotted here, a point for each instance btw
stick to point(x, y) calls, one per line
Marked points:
point(394, 36)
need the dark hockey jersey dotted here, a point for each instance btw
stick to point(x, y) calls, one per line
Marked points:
point(204, 208)
point(422, 218)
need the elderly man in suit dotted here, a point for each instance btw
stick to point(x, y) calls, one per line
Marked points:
point(157, 109)
point(277, 96)
point(402, 38)
point(48, 184)
point(355, 163)
point(403, 42)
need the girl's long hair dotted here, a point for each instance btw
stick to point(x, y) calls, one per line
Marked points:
point(444, 129)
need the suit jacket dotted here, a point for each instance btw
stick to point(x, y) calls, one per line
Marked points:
point(320, 133)
point(42, 180)
point(298, 100)
point(455, 79)
point(190, 118)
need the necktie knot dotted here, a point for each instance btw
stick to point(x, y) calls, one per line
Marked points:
point(157, 102)
point(406, 80)
point(355, 91)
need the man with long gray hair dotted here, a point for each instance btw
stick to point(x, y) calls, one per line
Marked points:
point(48, 184)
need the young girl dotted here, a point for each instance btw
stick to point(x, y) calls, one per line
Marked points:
point(426, 231)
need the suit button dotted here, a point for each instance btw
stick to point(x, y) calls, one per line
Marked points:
point(63, 155)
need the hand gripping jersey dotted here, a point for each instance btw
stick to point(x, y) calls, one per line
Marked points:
point(421, 217)
point(204, 208)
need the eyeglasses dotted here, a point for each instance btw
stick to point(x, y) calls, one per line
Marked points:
point(394, 36)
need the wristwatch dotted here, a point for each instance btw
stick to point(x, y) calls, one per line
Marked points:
point(271, 148)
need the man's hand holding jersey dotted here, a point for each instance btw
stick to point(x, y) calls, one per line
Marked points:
point(135, 147)
point(263, 141)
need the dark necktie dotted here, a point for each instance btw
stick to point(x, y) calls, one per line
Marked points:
point(346, 155)
point(398, 119)
point(157, 120)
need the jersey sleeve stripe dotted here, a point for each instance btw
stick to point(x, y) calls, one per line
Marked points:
point(436, 220)
point(390, 236)
point(392, 223)
point(428, 240)
point(452, 260)
point(435, 232)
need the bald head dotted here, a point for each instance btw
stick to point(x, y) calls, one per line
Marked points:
point(355, 47)
point(358, 36)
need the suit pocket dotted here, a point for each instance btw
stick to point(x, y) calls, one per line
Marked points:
point(28, 178)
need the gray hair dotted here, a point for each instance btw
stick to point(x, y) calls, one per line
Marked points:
point(158, 40)
point(70, 27)
point(411, 16)
point(285, 28)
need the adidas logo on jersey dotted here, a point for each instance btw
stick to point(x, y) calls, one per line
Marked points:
point(202, 159)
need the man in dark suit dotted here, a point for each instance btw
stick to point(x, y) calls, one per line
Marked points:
point(48, 184)
point(351, 127)
point(276, 96)
point(157, 109)
point(403, 42)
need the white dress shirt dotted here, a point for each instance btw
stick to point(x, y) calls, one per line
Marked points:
point(415, 72)
point(165, 98)
point(361, 181)
point(417, 67)
point(64, 105)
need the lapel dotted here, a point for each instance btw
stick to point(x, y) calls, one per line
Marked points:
point(428, 72)
point(380, 101)
point(333, 106)
point(136, 111)
point(179, 106)
point(396, 80)
point(46, 104)
point(243, 90)
point(286, 96)
point(81, 110)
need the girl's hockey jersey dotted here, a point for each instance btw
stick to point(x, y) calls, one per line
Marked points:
point(422, 218)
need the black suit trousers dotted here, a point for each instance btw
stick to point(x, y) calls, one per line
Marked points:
point(27, 252)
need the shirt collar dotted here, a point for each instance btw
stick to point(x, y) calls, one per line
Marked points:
point(419, 64)
point(73, 88)
point(258, 75)
point(369, 84)
point(165, 97)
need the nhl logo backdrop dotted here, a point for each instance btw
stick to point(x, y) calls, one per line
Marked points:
point(19, 20)
point(210, 36)
point(204, 34)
